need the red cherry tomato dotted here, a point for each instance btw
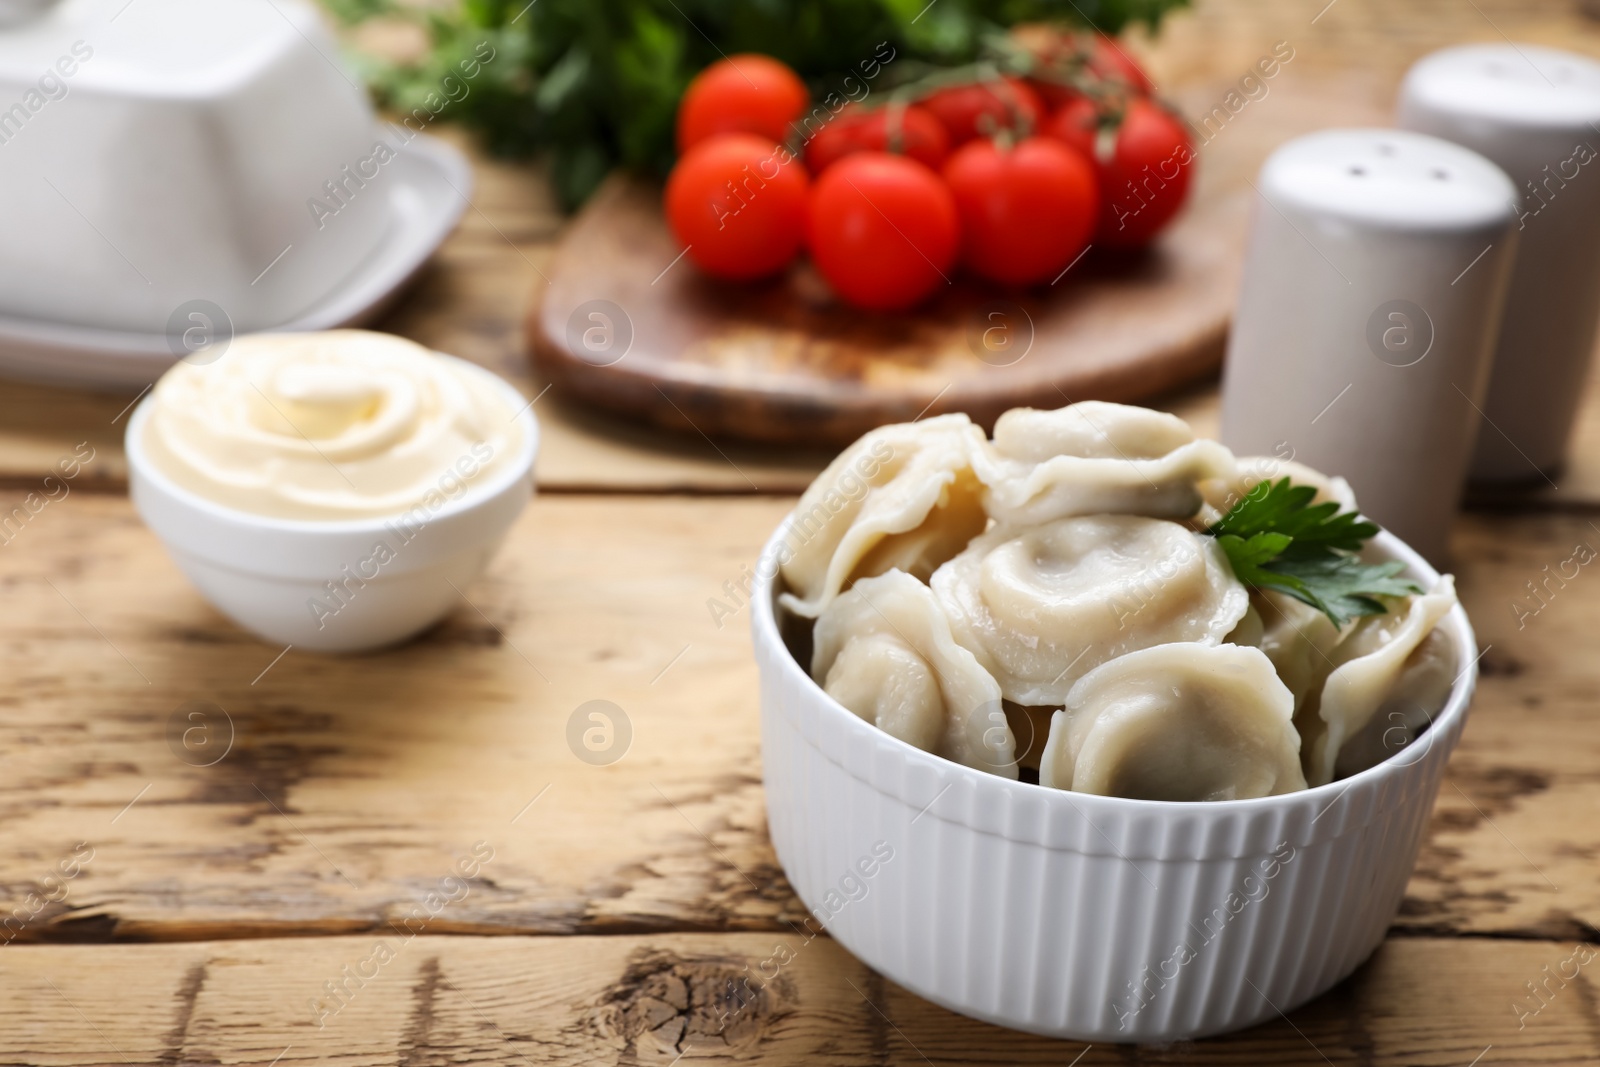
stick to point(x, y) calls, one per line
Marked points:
point(910, 131)
point(883, 230)
point(741, 94)
point(1026, 212)
point(1112, 62)
point(738, 204)
point(1077, 123)
point(1144, 177)
point(983, 108)
point(1052, 95)
point(1096, 56)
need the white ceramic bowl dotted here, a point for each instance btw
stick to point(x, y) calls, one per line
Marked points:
point(1062, 913)
point(269, 574)
point(156, 154)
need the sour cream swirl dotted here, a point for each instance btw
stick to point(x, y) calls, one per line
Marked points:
point(345, 424)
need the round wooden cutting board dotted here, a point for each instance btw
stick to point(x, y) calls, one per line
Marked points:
point(627, 324)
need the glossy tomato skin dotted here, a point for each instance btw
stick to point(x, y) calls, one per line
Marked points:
point(1076, 123)
point(980, 109)
point(882, 230)
point(1052, 95)
point(1111, 62)
point(746, 93)
point(1144, 178)
point(1100, 56)
point(910, 131)
point(1026, 211)
point(737, 202)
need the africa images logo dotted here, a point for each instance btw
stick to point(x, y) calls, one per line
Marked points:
point(51, 86)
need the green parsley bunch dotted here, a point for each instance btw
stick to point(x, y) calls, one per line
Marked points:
point(1276, 538)
point(595, 84)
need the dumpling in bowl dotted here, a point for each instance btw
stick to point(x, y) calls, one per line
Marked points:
point(1250, 630)
point(884, 651)
point(1177, 722)
point(1041, 606)
point(1407, 711)
point(1094, 457)
point(903, 496)
point(1298, 639)
point(1369, 662)
point(1221, 494)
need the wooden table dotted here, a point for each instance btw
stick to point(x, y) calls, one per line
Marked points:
point(211, 909)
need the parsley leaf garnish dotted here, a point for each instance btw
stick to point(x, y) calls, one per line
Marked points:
point(1276, 538)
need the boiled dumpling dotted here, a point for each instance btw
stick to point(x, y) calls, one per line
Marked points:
point(1250, 631)
point(903, 496)
point(1368, 662)
point(1177, 722)
point(1407, 711)
point(1094, 457)
point(1221, 494)
point(1041, 606)
point(884, 651)
point(1298, 639)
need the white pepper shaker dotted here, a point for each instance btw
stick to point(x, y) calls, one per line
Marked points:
point(13, 12)
point(1535, 112)
point(1373, 282)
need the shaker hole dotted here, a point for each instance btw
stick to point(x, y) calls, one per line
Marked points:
point(1359, 172)
point(1440, 174)
point(1385, 149)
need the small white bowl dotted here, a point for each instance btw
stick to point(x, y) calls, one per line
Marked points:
point(1062, 913)
point(269, 574)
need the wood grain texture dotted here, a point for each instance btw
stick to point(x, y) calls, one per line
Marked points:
point(353, 786)
point(474, 296)
point(786, 361)
point(354, 782)
point(667, 999)
point(351, 780)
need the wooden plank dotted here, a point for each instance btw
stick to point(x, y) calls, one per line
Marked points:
point(349, 775)
point(354, 784)
point(474, 296)
point(352, 778)
point(590, 451)
point(661, 1000)
point(1509, 839)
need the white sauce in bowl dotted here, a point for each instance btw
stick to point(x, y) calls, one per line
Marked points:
point(331, 426)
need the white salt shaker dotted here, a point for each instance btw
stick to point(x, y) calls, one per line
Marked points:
point(1535, 112)
point(13, 12)
point(1373, 282)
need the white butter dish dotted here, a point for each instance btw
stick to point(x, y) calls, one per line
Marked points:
point(153, 155)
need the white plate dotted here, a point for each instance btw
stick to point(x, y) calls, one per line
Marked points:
point(429, 184)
